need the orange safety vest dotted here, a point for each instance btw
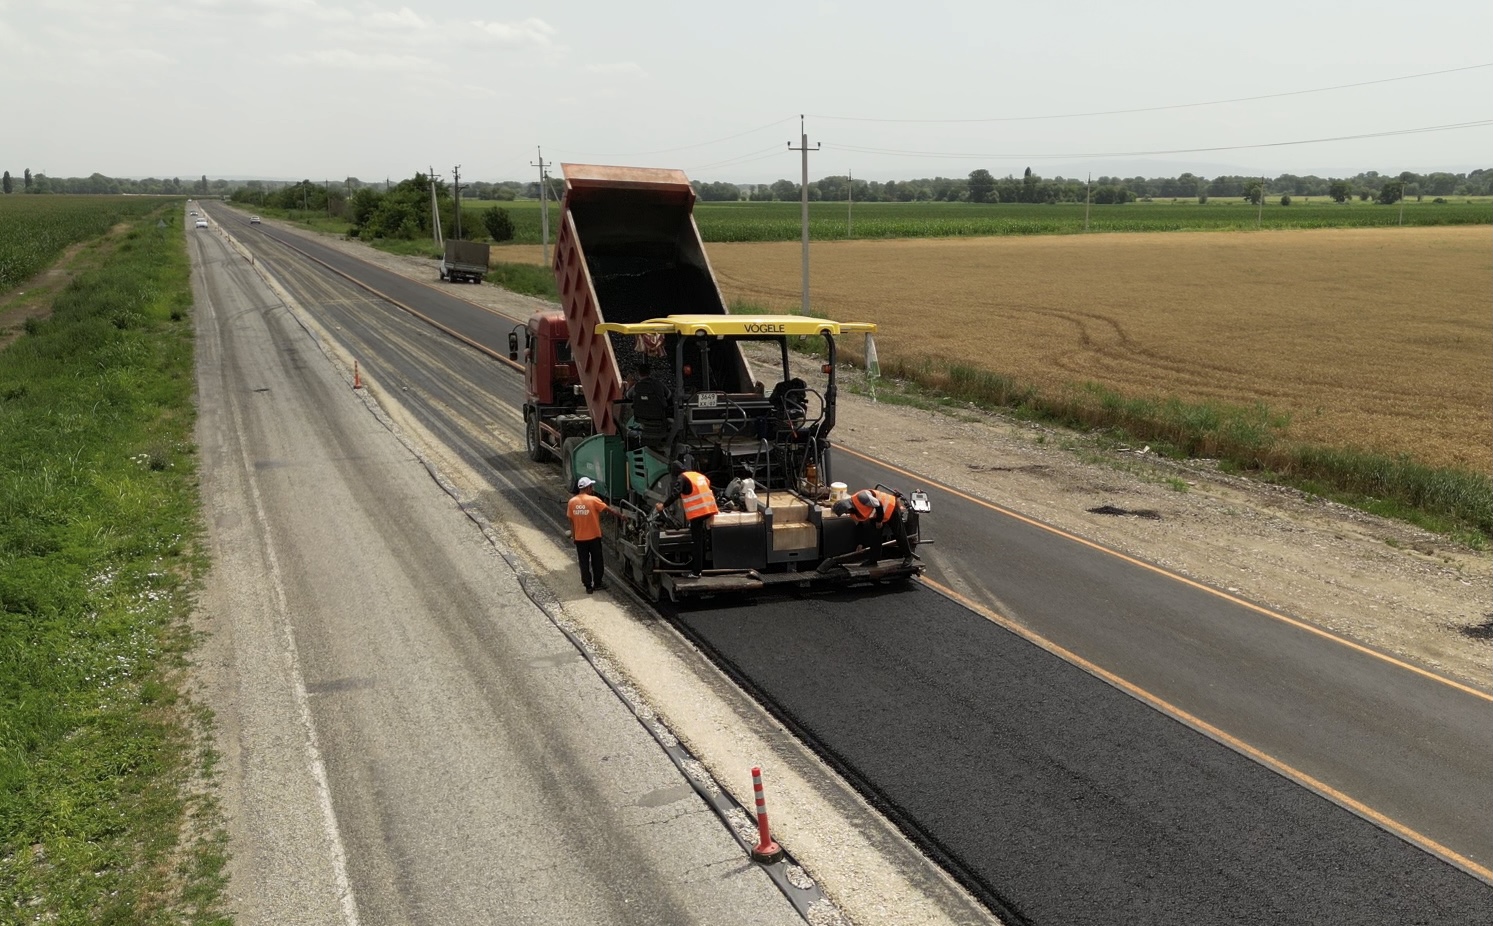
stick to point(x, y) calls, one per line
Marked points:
point(864, 512)
point(585, 517)
point(699, 502)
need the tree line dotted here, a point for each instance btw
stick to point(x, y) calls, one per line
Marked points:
point(979, 187)
point(400, 210)
point(983, 187)
point(101, 184)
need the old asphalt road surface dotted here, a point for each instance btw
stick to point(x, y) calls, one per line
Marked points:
point(1322, 779)
point(406, 737)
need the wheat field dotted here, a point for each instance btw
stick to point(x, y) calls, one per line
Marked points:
point(1380, 339)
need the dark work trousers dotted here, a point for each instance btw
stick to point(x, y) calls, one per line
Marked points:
point(872, 536)
point(593, 563)
point(699, 528)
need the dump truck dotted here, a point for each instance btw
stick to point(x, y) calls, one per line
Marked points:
point(464, 261)
point(721, 397)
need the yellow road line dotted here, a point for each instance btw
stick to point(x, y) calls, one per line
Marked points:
point(1294, 622)
point(1209, 730)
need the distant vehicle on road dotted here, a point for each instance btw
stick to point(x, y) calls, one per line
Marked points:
point(253, 220)
point(202, 223)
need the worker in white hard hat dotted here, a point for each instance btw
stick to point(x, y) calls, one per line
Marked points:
point(876, 515)
point(585, 510)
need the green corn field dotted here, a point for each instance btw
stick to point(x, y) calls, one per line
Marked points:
point(830, 221)
point(34, 230)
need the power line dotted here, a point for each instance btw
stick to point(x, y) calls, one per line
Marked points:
point(703, 144)
point(1152, 109)
point(758, 155)
point(893, 152)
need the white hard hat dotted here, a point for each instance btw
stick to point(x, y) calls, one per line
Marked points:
point(585, 482)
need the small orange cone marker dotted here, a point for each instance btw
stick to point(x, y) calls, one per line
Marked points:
point(766, 851)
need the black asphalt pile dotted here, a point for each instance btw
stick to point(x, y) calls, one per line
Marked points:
point(1054, 796)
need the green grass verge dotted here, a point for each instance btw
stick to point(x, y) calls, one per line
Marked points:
point(100, 751)
point(1248, 440)
point(529, 279)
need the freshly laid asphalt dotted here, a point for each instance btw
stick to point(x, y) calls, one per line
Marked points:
point(1057, 797)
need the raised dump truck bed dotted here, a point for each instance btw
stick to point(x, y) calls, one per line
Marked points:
point(628, 251)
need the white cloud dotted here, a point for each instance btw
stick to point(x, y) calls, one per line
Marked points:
point(531, 31)
point(305, 9)
point(344, 59)
point(285, 14)
point(138, 56)
point(405, 18)
point(618, 69)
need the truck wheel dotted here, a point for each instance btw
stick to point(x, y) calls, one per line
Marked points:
point(532, 444)
point(567, 461)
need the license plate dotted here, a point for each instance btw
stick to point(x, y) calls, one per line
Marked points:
point(708, 399)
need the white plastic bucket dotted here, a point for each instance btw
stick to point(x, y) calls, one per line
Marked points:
point(838, 491)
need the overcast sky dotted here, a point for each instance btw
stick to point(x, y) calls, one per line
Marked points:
point(372, 88)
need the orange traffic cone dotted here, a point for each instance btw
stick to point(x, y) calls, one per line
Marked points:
point(766, 851)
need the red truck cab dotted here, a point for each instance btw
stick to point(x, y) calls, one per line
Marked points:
point(550, 375)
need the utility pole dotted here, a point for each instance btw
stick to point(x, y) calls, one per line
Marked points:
point(803, 195)
point(326, 189)
point(435, 214)
point(1087, 191)
point(850, 209)
point(456, 191)
point(544, 206)
point(1261, 216)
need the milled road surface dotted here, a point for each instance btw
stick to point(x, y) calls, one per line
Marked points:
point(407, 738)
point(1167, 819)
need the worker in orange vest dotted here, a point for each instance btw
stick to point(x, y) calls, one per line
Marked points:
point(694, 493)
point(585, 510)
point(876, 514)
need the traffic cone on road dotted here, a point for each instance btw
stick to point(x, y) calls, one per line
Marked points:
point(766, 850)
point(357, 378)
